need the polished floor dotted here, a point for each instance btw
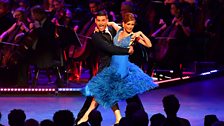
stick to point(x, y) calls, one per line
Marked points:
point(197, 99)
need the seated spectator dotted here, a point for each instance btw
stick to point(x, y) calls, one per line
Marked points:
point(31, 122)
point(63, 118)
point(218, 123)
point(140, 118)
point(0, 118)
point(157, 120)
point(95, 118)
point(16, 117)
point(171, 106)
point(210, 119)
point(124, 122)
point(47, 122)
point(131, 108)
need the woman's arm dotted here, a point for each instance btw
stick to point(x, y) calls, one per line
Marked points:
point(4, 34)
point(142, 39)
point(114, 25)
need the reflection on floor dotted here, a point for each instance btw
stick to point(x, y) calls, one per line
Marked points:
point(196, 98)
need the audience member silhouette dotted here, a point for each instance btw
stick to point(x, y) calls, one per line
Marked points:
point(131, 109)
point(31, 122)
point(210, 119)
point(0, 118)
point(47, 122)
point(157, 120)
point(63, 118)
point(140, 118)
point(124, 122)
point(218, 123)
point(95, 118)
point(16, 117)
point(171, 106)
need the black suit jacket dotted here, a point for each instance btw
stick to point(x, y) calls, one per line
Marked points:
point(105, 47)
point(45, 52)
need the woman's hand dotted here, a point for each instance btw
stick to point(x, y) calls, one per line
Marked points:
point(96, 30)
point(142, 39)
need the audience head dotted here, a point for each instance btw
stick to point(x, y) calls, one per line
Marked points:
point(140, 118)
point(47, 122)
point(4, 7)
point(124, 122)
point(157, 120)
point(31, 122)
point(176, 9)
point(126, 7)
point(171, 105)
point(38, 13)
point(131, 109)
point(58, 4)
point(210, 119)
point(94, 6)
point(64, 118)
point(16, 117)
point(95, 118)
point(218, 123)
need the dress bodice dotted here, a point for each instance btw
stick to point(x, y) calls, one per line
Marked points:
point(121, 61)
point(124, 42)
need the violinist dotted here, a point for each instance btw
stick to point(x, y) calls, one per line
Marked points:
point(21, 24)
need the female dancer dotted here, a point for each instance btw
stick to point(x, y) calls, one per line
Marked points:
point(122, 79)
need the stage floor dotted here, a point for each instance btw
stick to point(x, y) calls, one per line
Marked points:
point(196, 98)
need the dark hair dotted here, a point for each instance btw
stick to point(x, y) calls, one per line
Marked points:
point(38, 10)
point(157, 119)
point(16, 117)
point(129, 17)
point(31, 122)
point(131, 108)
point(46, 122)
point(140, 118)
point(95, 118)
point(101, 13)
point(171, 104)
point(63, 118)
point(210, 119)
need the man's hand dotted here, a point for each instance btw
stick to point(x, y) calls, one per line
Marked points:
point(131, 50)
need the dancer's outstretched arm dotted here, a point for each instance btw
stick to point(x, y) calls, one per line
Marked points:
point(114, 25)
point(142, 39)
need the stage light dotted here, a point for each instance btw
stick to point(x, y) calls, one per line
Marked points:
point(214, 71)
point(205, 73)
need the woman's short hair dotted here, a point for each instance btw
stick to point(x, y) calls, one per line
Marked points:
point(129, 17)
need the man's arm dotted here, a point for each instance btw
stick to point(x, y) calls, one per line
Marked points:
point(107, 47)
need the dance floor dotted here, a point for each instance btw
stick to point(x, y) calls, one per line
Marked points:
point(196, 98)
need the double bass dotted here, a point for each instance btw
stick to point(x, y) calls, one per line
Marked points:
point(17, 46)
point(82, 52)
point(162, 46)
